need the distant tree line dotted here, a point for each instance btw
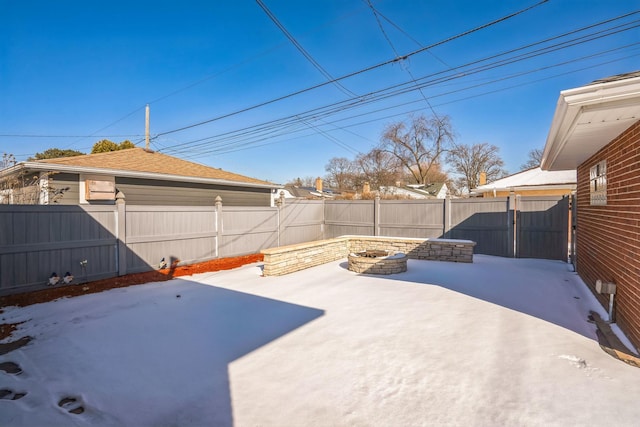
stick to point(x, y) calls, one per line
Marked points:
point(102, 146)
point(420, 150)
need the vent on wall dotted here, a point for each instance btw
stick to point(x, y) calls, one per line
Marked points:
point(100, 190)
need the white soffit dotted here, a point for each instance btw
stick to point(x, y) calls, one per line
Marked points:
point(587, 119)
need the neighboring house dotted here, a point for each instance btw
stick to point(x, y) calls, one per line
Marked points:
point(596, 129)
point(143, 176)
point(437, 190)
point(531, 182)
point(301, 192)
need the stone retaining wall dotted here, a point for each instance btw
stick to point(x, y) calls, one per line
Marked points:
point(430, 249)
point(287, 259)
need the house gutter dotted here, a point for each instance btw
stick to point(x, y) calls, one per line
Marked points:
point(48, 167)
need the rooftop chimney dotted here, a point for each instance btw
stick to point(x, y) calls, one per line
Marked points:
point(483, 178)
point(319, 185)
point(366, 188)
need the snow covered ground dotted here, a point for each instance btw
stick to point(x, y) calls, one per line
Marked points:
point(500, 342)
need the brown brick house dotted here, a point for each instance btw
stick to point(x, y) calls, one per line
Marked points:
point(144, 176)
point(596, 129)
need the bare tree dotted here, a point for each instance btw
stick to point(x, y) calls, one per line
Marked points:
point(377, 167)
point(468, 161)
point(435, 174)
point(341, 173)
point(418, 144)
point(18, 188)
point(7, 161)
point(534, 159)
point(23, 187)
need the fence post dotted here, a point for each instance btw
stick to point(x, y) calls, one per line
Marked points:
point(446, 220)
point(512, 214)
point(280, 206)
point(218, 202)
point(121, 254)
point(376, 215)
point(324, 219)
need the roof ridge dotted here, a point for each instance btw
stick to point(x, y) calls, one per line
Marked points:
point(138, 159)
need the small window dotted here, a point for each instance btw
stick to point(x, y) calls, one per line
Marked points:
point(598, 183)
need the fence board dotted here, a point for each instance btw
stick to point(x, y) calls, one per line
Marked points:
point(38, 240)
point(412, 218)
point(301, 221)
point(349, 217)
point(247, 230)
point(542, 227)
point(184, 233)
point(485, 221)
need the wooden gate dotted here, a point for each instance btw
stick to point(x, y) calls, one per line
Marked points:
point(542, 227)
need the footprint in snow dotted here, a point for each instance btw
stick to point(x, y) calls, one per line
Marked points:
point(7, 394)
point(71, 405)
point(10, 368)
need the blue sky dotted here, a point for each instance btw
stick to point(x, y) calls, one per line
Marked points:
point(72, 73)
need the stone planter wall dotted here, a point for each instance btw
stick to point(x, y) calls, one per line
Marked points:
point(430, 249)
point(287, 259)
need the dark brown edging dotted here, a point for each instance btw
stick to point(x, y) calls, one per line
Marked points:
point(72, 290)
point(611, 344)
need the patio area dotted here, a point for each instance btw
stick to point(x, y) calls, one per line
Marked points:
point(497, 342)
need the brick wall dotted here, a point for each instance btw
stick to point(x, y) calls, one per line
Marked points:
point(608, 237)
point(287, 259)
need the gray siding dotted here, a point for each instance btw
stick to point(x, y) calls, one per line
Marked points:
point(66, 188)
point(158, 192)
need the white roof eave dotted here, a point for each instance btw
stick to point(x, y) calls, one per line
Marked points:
point(588, 118)
point(487, 189)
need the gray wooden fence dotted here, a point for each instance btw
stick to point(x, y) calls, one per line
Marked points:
point(94, 242)
point(489, 222)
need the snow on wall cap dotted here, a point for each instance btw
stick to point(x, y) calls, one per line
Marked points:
point(453, 241)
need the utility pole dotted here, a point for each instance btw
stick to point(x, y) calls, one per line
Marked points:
point(146, 127)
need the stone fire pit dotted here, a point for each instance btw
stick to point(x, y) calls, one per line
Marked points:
point(377, 262)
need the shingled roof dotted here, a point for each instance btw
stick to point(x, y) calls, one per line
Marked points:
point(147, 161)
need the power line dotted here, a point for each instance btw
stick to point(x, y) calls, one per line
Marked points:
point(302, 50)
point(384, 33)
point(253, 145)
point(426, 80)
point(355, 73)
point(227, 146)
point(67, 136)
point(397, 27)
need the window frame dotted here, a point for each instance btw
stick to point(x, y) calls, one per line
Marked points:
point(598, 184)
